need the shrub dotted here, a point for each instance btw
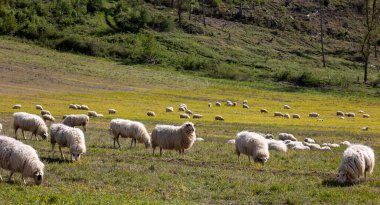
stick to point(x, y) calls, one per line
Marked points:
point(145, 49)
point(84, 46)
point(306, 79)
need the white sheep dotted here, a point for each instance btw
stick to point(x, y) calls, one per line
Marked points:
point(84, 107)
point(112, 111)
point(292, 144)
point(309, 140)
point(45, 112)
point(231, 141)
point(151, 114)
point(17, 106)
point(99, 115)
point(245, 101)
point(209, 104)
point(277, 145)
point(347, 143)
point(70, 137)
point(39, 107)
point(72, 106)
point(218, 104)
point(169, 109)
point(183, 105)
point(245, 106)
point(183, 109)
point(361, 112)
point(313, 114)
point(287, 115)
point(29, 122)
point(188, 112)
point(229, 103)
point(313, 146)
point(253, 145)
point(350, 114)
point(76, 120)
point(92, 114)
point(286, 107)
point(185, 116)
point(16, 156)
point(286, 136)
point(341, 117)
point(179, 138)
point(339, 113)
point(301, 147)
point(129, 129)
point(333, 145)
point(365, 128)
point(47, 117)
point(278, 114)
point(296, 116)
point(357, 160)
point(218, 117)
point(262, 110)
point(197, 116)
point(366, 116)
point(326, 148)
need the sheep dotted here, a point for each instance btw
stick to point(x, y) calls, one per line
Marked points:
point(72, 106)
point(197, 116)
point(17, 106)
point(347, 143)
point(245, 102)
point(78, 106)
point(313, 114)
point(29, 122)
point(286, 107)
point(326, 148)
point(16, 156)
point(252, 144)
point(361, 112)
point(39, 107)
point(229, 103)
point(286, 136)
point(218, 117)
point(296, 116)
point(292, 144)
point(99, 115)
point(47, 117)
point(350, 114)
point(77, 120)
point(286, 115)
point(301, 147)
point(151, 114)
point(245, 106)
point(309, 140)
point(357, 160)
point(45, 112)
point(112, 111)
point(262, 110)
point(183, 109)
point(231, 141)
point(169, 109)
point(341, 117)
point(339, 113)
point(333, 145)
point(183, 105)
point(278, 114)
point(209, 104)
point(268, 136)
point(188, 112)
point(70, 137)
point(365, 128)
point(92, 114)
point(234, 104)
point(129, 129)
point(218, 104)
point(199, 139)
point(179, 138)
point(277, 145)
point(1, 127)
point(185, 116)
point(84, 107)
point(313, 146)
point(366, 116)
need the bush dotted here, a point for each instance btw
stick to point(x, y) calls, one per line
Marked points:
point(94, 5)
point(195, 63)
point(283, 75)
point(145, 49)
point(78, 45)
point(8, 24)
point(306, 79)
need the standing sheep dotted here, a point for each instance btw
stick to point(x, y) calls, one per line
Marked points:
point(92, 114)
point(278, 114)
point(151, 114)
point(339, 113)
point(350, 114)
point(287, 115)
point(129, 129)
point(357, 160)
point(245, 106)
point(229, 103)
point(296, 116)
point(218, 117)
point(70, 137)
point(209, 104)
point(47, 117)
point(29, 122)
point(72, 106)
point(183, 109)
point(188, 112)
point(313, 114)
point(218, 104)
point(197, 116)
point(169, 109)
point(179, 138)
point(253, 145)
point(39, 107)
point(17, 106)
point(185, 116)
point(19, 157)
point(45, 112)
point(112, 111)
point(76, 120)
point(366, 116)
point(262, 110)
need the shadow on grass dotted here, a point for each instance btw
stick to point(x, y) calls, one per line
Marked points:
point(334, 183)
point(54, 160)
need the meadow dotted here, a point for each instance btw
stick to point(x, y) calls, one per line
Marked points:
point(209, 172)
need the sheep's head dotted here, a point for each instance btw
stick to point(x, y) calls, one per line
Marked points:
point(188, 127)
point(341, 177)
point(147, 144)
point(75, 156)
point(261, 159)
point(45, 135)
point(38, 177)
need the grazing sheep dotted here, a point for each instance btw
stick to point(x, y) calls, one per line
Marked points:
point(262, 110)
point(183, 109)
point(183, 105)
point(45, 112)
point(218, 104)
point(188, 112)
point(366, 116)
point(326, 148)
point(78, 106)
point(16, 156)
point(197, 116)
point(313, 114)
point(268, 136)
point(231, 141)
point(199, 139)
point(361, 112)
point(245, 101)
point(341, 117)
point(92, 114)
point(17, 106)
point(234, 104)
point(347, 143)
point(350, 114)
point(72, 106)
point(357, 160)
point(185, 116)
point(333, 145)
point(218, 117)
point(365, 128)
point(277, 145)
point(179, 138)
point(309, 140)
point(1, 127)
point(39, 107)
point(296, 116)
point(313, 146)
point(286, 136)
point(169, 109)
point(112, 111)
point(286, 115)
point(292, 144)
point(339, 113)
point(301, 147)
point(84, 107)
point(70, 137)
point(129, 129)
point(76, 120)
point(151, 114)
point(209, 104)
point(278, 114)
point(286, 107)
point(47, 117)
point(229, 103)
point(252, 144)
point(29, 122)
point(99, 115)
point(245, 106)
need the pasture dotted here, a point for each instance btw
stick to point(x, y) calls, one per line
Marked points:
point(207, 173)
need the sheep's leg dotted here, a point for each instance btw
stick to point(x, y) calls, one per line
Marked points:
point(134, 140)
point(154, 148)
point(160, 151)
point(23, 179)
point(16, 128)
point(249, 158)
point(114, 142)
point(22, 131)
point(118, 143)
point(60, 150)
point(85, 128)
point(10, 177)
point(130, 147)
point(52, 149)
point(238, 154)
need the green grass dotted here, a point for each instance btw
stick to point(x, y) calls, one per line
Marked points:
point(209, 172)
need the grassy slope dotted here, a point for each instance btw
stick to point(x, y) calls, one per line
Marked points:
point(209, 172)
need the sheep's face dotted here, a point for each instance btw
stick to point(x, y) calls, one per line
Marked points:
point(38, 177)
point(147, 144)
point(44, 135)
point(261, 159)
point(342, 177)
point(189, 127)
point(75, 156)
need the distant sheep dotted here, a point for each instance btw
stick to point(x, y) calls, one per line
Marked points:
point(209, 104)
point(286, 136)
point(112, 111)
point(313, 114)
point(245, 106)
point(234, 104)
point(151, 114)
point(129, 129)
point(341, 117)
point(253, 145)
point(218, 104)
point(184, 116)
point(16, 156)
point(292, 144)
point(29, 122)
point(301, 147)
point(262, 110)
point(309, 140)
point(231, 141)
point(169, 109)
point(278, 114)
point(286, 107)
point(350, 114)
point(45, 112)
point(99, 115)
point(77, 120)
point(361, 112)
point(366, 116)
point(313, 146)
point(182, 109)
point(72, 106)
point(92, 114)
point(188, 112)
point(229, 103)
point(277, 145)
point(326, 148)
point(296, 116)
point(179, 138)
point(47, 117)
point(339, 113)
point(218, 117)
point(183, 105)
point(347, 143)
point(245, 101)
point(197, 116)
point(84, 107)
point(365, 128)
point(39, 107)
point(287, 115)
point(17, 106)
point(357, 160)
point(70, 137)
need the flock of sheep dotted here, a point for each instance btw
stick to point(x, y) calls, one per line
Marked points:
point(357, 161)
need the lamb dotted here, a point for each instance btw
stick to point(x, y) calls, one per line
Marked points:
point(366, 116)
point(313, 114)
point(45, 112)
point(179, 138)
point(129, 129)
point(188, 112)
point(77, 120)
point(112, 111)
point(286, 136)
point(29, 122)
point(350, 114)
point(169, 109)
point(286, 115)
point(286, 107)
point(296, 116)
point(253, 145)
point(218, 117)
point(218, 104)
point(39, 107)
point(16, 156)
point(70, 137)
point(84, 107)
point(151, 114)
point(92, 114)
point(262, 110)
point(47, 117)
point(309, 140)
point(339, 113)
point(197, 116)
point(277, 145)
point(17, 106)
point(185, 116)
point(278, 114)
point(245, 106)
point(357, 160)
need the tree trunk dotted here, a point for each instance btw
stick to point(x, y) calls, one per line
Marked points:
point(180, 12)
point(321, 24)
point(203, 12)
point(365, 69)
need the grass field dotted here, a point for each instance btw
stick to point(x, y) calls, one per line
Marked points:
point(207, 173)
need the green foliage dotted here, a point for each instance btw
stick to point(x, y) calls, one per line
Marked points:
point(145, 49)
point(79, 45)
